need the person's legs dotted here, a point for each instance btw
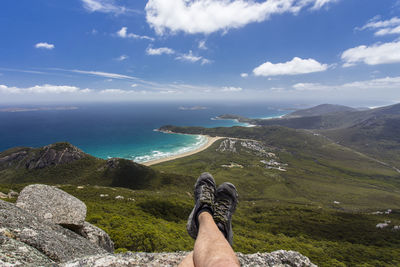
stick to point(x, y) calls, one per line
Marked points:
point(211, 247)
point(213, 242)
point(187, 261)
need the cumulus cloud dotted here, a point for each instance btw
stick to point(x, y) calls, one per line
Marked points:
point(231, 89)
point(383, 27)
point(43, 89)
point(45, 45)
point(381, 53)
point(190, 57)
point(123, 33)
point(134, 85)
point(104, 6)
point(293, 67)
point(206, 16)
point(159, 51)
point(244, 75)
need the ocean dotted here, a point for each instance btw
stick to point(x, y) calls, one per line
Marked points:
point(125, 130)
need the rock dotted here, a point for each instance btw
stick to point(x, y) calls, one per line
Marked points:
point(16, 253)
point(119, 197)
point(52, 204)
point(96, 236)
point(12, 194)
point(37, 158)
point(2, 195)
point(55, 242)
point(228, 145)
point(280, 258)
point(55, 154)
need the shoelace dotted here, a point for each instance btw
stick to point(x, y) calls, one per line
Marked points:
point(207, 195)
point(221, 209)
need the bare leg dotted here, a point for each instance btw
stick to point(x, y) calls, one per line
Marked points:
point(187, 261)
point(211, 248)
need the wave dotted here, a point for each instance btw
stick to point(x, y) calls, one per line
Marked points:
point(158, 154)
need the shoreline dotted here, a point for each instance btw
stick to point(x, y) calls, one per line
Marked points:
point(210, 141)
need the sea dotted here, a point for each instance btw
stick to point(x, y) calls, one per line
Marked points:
point(124, 130)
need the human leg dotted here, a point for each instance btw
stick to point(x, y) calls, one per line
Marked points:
point(211, 247)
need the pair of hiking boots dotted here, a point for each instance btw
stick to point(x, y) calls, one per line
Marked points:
point(220, 202)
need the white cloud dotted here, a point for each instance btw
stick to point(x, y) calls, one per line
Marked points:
point(231, 89)
point(206, 16)
point(123, 33)
point(293, 67)
point(43, 89)
point(159, 51)
point(318, 4)
point(383, 27)
point(104, 6)
point(104, 74)
point(205, 61)
point(372, 55)
point(122, 57)
point(190, 57)
point(202, 45)
point(114, 91)
point(244, 75)
point(376, 84)
point(387, 31)
point(134, 85)
point(45, 45)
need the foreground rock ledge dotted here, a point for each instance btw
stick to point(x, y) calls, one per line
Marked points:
point(280, 258)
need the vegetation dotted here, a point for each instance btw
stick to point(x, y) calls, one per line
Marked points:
point(321, 205)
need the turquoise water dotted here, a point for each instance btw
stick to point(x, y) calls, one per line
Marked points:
point(123, 130)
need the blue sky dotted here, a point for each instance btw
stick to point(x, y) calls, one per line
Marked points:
point(331, 51)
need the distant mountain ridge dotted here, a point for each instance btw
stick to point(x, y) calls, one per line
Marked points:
point(322, 109)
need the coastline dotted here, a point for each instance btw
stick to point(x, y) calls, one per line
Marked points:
point(210, 141)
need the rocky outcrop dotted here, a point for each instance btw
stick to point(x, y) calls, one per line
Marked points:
point(51, 155)
point(280, 258)
point(52, 204)
point(55, 242)
point(32, 238)
point(96, 236)
point(16, 253)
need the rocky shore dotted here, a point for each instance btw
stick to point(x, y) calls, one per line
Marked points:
point(47, 227)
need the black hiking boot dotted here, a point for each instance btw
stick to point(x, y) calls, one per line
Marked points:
point(224, 206)
point(204, 194)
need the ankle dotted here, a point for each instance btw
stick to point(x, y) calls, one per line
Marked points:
point(204, 215)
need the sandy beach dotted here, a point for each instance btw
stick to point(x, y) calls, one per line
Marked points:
point(210, 141)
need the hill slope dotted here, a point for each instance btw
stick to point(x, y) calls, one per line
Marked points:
point(319, 110)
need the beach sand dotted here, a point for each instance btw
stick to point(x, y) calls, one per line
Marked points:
point(210, 141)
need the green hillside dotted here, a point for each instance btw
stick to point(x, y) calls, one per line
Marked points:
point(297, 191)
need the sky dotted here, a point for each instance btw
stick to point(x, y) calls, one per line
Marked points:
point(315, 51)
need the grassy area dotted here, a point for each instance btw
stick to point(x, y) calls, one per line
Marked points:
point(320, 206)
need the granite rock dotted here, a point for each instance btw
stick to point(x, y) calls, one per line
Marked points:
point(55, 242)
point(16, 253)
point(96, 236)
point(280, 258)
point(52, 204)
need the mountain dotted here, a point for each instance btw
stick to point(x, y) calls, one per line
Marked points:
point(63, 163)
point(322, 109)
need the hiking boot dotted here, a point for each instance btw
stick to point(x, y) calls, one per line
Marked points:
point(204, 194)
point(225, 203)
